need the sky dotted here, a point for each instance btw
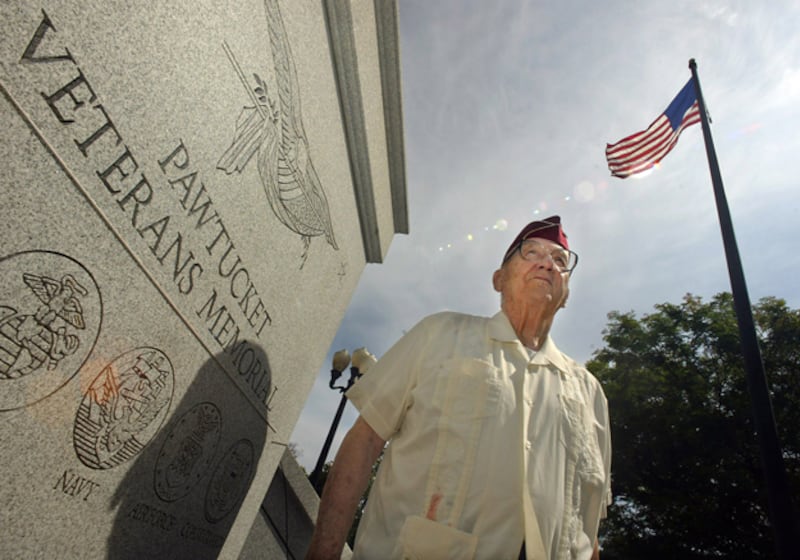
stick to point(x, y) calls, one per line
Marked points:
point(508, 106)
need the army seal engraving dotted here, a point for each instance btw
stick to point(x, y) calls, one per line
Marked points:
point(123, 408)
point(50, 315)
point(187, 452)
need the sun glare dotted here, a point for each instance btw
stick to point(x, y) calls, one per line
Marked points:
point(645, 173)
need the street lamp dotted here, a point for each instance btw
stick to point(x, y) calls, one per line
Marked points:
point(362, 361)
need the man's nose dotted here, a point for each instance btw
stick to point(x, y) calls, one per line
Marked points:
point(545, 261)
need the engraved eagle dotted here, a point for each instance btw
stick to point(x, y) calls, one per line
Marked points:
point(59, 298)
point(273, 128)
point(32, 341)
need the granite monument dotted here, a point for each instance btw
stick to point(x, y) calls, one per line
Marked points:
point(190, 191)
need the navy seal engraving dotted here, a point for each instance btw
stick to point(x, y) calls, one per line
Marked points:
point(123, 408)
point(230, 480)
point(50, 315)
point(273, 129)
point(186, 454)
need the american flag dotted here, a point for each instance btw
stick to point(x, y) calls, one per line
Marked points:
point(642, 150)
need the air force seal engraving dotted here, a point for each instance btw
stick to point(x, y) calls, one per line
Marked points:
point(50, 315)
point(123, 408)
point(187, 453)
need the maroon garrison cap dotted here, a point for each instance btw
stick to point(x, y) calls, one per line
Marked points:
point(549, 228)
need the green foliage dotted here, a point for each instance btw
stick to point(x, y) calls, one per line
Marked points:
point(686, 471)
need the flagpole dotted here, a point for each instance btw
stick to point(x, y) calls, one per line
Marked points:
point(780, 504)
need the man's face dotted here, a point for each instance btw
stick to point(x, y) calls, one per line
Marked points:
point(532, 283)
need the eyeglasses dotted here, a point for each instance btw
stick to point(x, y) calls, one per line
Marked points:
point(533, 250)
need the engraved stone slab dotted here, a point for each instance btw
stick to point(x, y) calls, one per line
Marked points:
point(180, 235)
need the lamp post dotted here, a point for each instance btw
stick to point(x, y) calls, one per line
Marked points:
point(362, 361)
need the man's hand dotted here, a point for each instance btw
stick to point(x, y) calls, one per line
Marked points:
point(347, 480)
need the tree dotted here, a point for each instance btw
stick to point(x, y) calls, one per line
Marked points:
point(686, 471)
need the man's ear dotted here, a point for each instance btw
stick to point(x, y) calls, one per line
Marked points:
point(497, 280)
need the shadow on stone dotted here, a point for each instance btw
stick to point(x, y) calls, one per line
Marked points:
point(181, 496)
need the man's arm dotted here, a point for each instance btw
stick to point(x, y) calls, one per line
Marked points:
point(346, 482)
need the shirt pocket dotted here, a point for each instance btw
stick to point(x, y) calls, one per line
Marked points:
point(468, 388)
point(466, 398)
point(423, 539)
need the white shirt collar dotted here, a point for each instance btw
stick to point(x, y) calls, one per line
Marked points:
point(500, 329)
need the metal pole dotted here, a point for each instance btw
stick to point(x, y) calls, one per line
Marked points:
point(317, 472)
point(780, 504)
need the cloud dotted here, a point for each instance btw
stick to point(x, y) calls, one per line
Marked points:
point(508, 108)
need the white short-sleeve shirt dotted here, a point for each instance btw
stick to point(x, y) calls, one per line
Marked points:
point(487, 445)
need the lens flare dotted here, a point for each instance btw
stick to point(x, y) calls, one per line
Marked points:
point(584, 191)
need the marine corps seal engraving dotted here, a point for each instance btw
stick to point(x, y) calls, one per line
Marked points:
point(123, 408)
point(50, 315)
point(187, 452)
point(230, 480)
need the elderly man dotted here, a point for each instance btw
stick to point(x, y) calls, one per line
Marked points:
point(499, 443)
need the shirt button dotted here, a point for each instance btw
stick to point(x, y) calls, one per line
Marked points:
point(527, 446)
